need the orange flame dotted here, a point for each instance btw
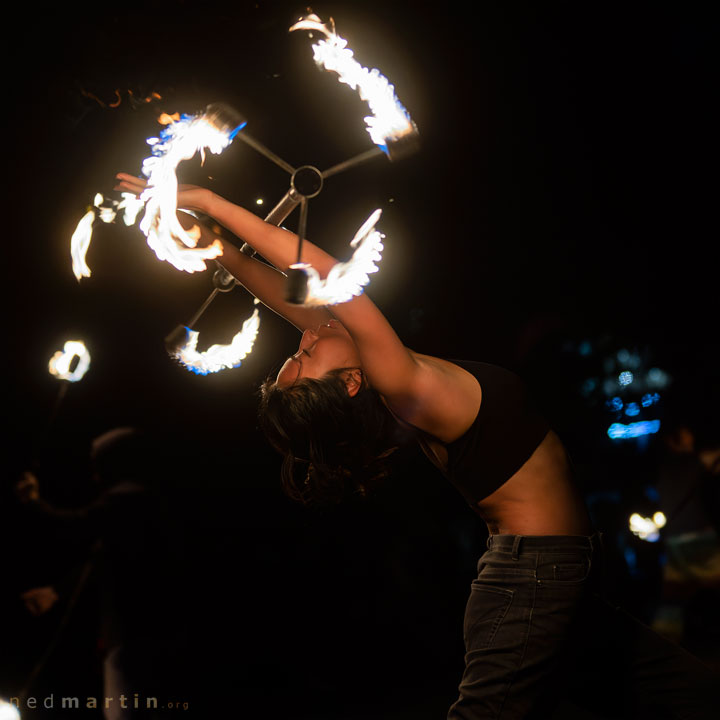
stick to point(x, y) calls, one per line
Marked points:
point(134, 101)
point(166, 119)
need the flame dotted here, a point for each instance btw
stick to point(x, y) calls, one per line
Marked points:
point(390, 120)
point(106, 212)
point(131, 205)
point(166, 119)
point(219, 357)
point(60, 362)
point(178, 141)
point(346, 280)
point(79, 244)
point(9, 711)
point(133, 100)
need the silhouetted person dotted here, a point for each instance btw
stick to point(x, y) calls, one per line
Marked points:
point(687, 484)
point(131, 554)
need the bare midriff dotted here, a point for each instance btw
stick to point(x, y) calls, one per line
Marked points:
point(541, 498)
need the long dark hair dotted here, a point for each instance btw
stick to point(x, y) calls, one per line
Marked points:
point(334, 446)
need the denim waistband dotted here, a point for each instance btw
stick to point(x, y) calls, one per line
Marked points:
point(517, 544)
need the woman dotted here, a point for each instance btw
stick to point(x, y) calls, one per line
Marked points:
point(337, 409)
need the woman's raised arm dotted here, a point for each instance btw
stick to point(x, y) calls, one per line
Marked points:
point(432, 394)
point(435, 396)
point(263, 281)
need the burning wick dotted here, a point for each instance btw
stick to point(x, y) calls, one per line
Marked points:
point(180, 140)
point(61, 362)
point(390, 121)
point(107, 212)
point(218, 357)
point(347, 280)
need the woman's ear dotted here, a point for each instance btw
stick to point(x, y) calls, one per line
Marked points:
point(353, 378)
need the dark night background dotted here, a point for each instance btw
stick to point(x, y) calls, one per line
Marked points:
point(563, 195)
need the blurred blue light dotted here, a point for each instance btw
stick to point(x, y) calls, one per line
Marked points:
point(649, 398)
point(623, 356)
point(657, 378)
point(609, 386)
point(631, 559)
point(618, 431)
point(615, 404)
point(625, 377)
point(585, 348)
point(632, 409)
point(588, 386)
point(652, 494)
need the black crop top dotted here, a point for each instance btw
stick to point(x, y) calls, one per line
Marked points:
point(505, 433)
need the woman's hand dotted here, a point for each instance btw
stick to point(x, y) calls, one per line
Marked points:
point(190, 197)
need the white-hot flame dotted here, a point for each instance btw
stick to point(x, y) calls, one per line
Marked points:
point(346, 280)
point(178, 141)
point(61, 361)
point(106, 212)
point(390, 120)
point(8, 711)
point(131, 205)
point(79, 244)
point(219, 357)
point(647, 528)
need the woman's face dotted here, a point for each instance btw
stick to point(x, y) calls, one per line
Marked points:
point(326, 348)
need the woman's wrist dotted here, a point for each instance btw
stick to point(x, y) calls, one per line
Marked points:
point(208, 201)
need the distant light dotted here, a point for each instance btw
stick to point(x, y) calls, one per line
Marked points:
point(625, 377)
point(646, 528)
point(623, 356)
point(585, 348)
point(8, 711)
point(657, 378)
point(632, 409)
point(610, 386)
point(588, 386)
point(618, 431)
point(259, 201)
point(630, 559)
point(615, 404)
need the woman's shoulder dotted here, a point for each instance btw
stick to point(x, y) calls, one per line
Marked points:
point(446, 398)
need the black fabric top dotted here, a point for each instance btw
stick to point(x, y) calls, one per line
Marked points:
point(505, 433)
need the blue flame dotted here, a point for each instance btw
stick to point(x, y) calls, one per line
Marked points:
point(232, 135)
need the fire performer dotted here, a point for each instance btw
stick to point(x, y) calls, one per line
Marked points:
point(536, 628)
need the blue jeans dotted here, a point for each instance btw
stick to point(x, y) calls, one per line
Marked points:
point(537, 631)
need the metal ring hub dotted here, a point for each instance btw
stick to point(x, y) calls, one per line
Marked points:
point(307, 181)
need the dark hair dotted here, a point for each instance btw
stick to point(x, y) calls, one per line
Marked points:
point(333, 445)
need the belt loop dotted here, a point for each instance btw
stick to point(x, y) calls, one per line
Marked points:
point(516, 547)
